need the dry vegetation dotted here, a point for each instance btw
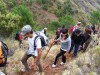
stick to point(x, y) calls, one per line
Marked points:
point(86, 64)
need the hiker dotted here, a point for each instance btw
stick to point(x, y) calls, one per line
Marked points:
point(3, 57)
point(65, 42)
point(88, 37)
point(62, 28)
point(45, 31)
point(58, 33)
point(3, 54)
point(94, 29)
point(77, 26)
point(78, 39)
point(19, 38)
point(32, 51)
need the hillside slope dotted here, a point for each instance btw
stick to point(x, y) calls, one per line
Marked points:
point(44, 14)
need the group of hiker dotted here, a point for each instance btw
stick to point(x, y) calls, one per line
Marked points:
point(78, 39)
point(70, 39)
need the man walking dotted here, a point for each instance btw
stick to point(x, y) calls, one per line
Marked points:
point(32, 52)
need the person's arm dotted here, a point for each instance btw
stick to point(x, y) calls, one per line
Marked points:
point(72, 35)
point(39, 49)
point(69, 44)
point(83, 40)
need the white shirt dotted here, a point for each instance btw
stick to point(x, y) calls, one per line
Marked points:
point(31, 45)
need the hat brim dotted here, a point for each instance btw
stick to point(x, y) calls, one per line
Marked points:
point(22, 33)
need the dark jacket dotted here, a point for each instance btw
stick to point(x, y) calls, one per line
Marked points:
point(87, 34)
point(78, 39)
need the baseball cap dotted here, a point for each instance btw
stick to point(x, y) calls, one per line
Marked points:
point(26, 29)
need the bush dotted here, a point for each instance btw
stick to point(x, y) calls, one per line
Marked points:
point(45, 7)
point(2, 7)
point(9, 23)
point(66, 20)
point(26, 15)
point(57, 13)
point(42, 1)
point(49, 2)
point(67, 8)
point(59, 5)
point(53, 25)
point(95, 17)
point(64, 9)
point(11, 3)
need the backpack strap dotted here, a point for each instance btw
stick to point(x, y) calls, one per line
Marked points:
point(5, 46)
point(35, 42)
point(5, 51)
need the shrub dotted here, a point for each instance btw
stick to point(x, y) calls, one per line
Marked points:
point(26, 15)
point(2, 7)
point(59, 5)
point(67, 9)
point(49, 2)
point(66, 20)
point(11, 3)
point(53, 25)
point(57, 13)
point(9, 23)
point(45, 7)
point(95, 17)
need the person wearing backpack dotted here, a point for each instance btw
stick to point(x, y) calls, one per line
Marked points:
point(44, 31)
point(58, 33)
point(32, 52)
point(77, 26)
point(3, 54)
point(19, 38)
point(65, 42)
point(88, 37)
point(78, 40)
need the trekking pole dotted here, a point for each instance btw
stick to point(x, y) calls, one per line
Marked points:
point(49, 50)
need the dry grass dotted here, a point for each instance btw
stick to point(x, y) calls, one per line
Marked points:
point(86, 63)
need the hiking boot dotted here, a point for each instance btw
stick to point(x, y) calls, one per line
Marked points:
point(62, 63)
point(53, 66)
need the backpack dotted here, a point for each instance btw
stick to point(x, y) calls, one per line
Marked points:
point(43, 39)
point(3, 54)
point(17, 36)
point(71, 29)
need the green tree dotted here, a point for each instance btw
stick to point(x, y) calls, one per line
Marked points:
point(26, 15)
point(8, 23)
point(95, 17)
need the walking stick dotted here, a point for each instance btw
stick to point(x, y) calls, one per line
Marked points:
point(48, 50)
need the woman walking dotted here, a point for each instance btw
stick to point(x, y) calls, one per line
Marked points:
point(65, 43)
